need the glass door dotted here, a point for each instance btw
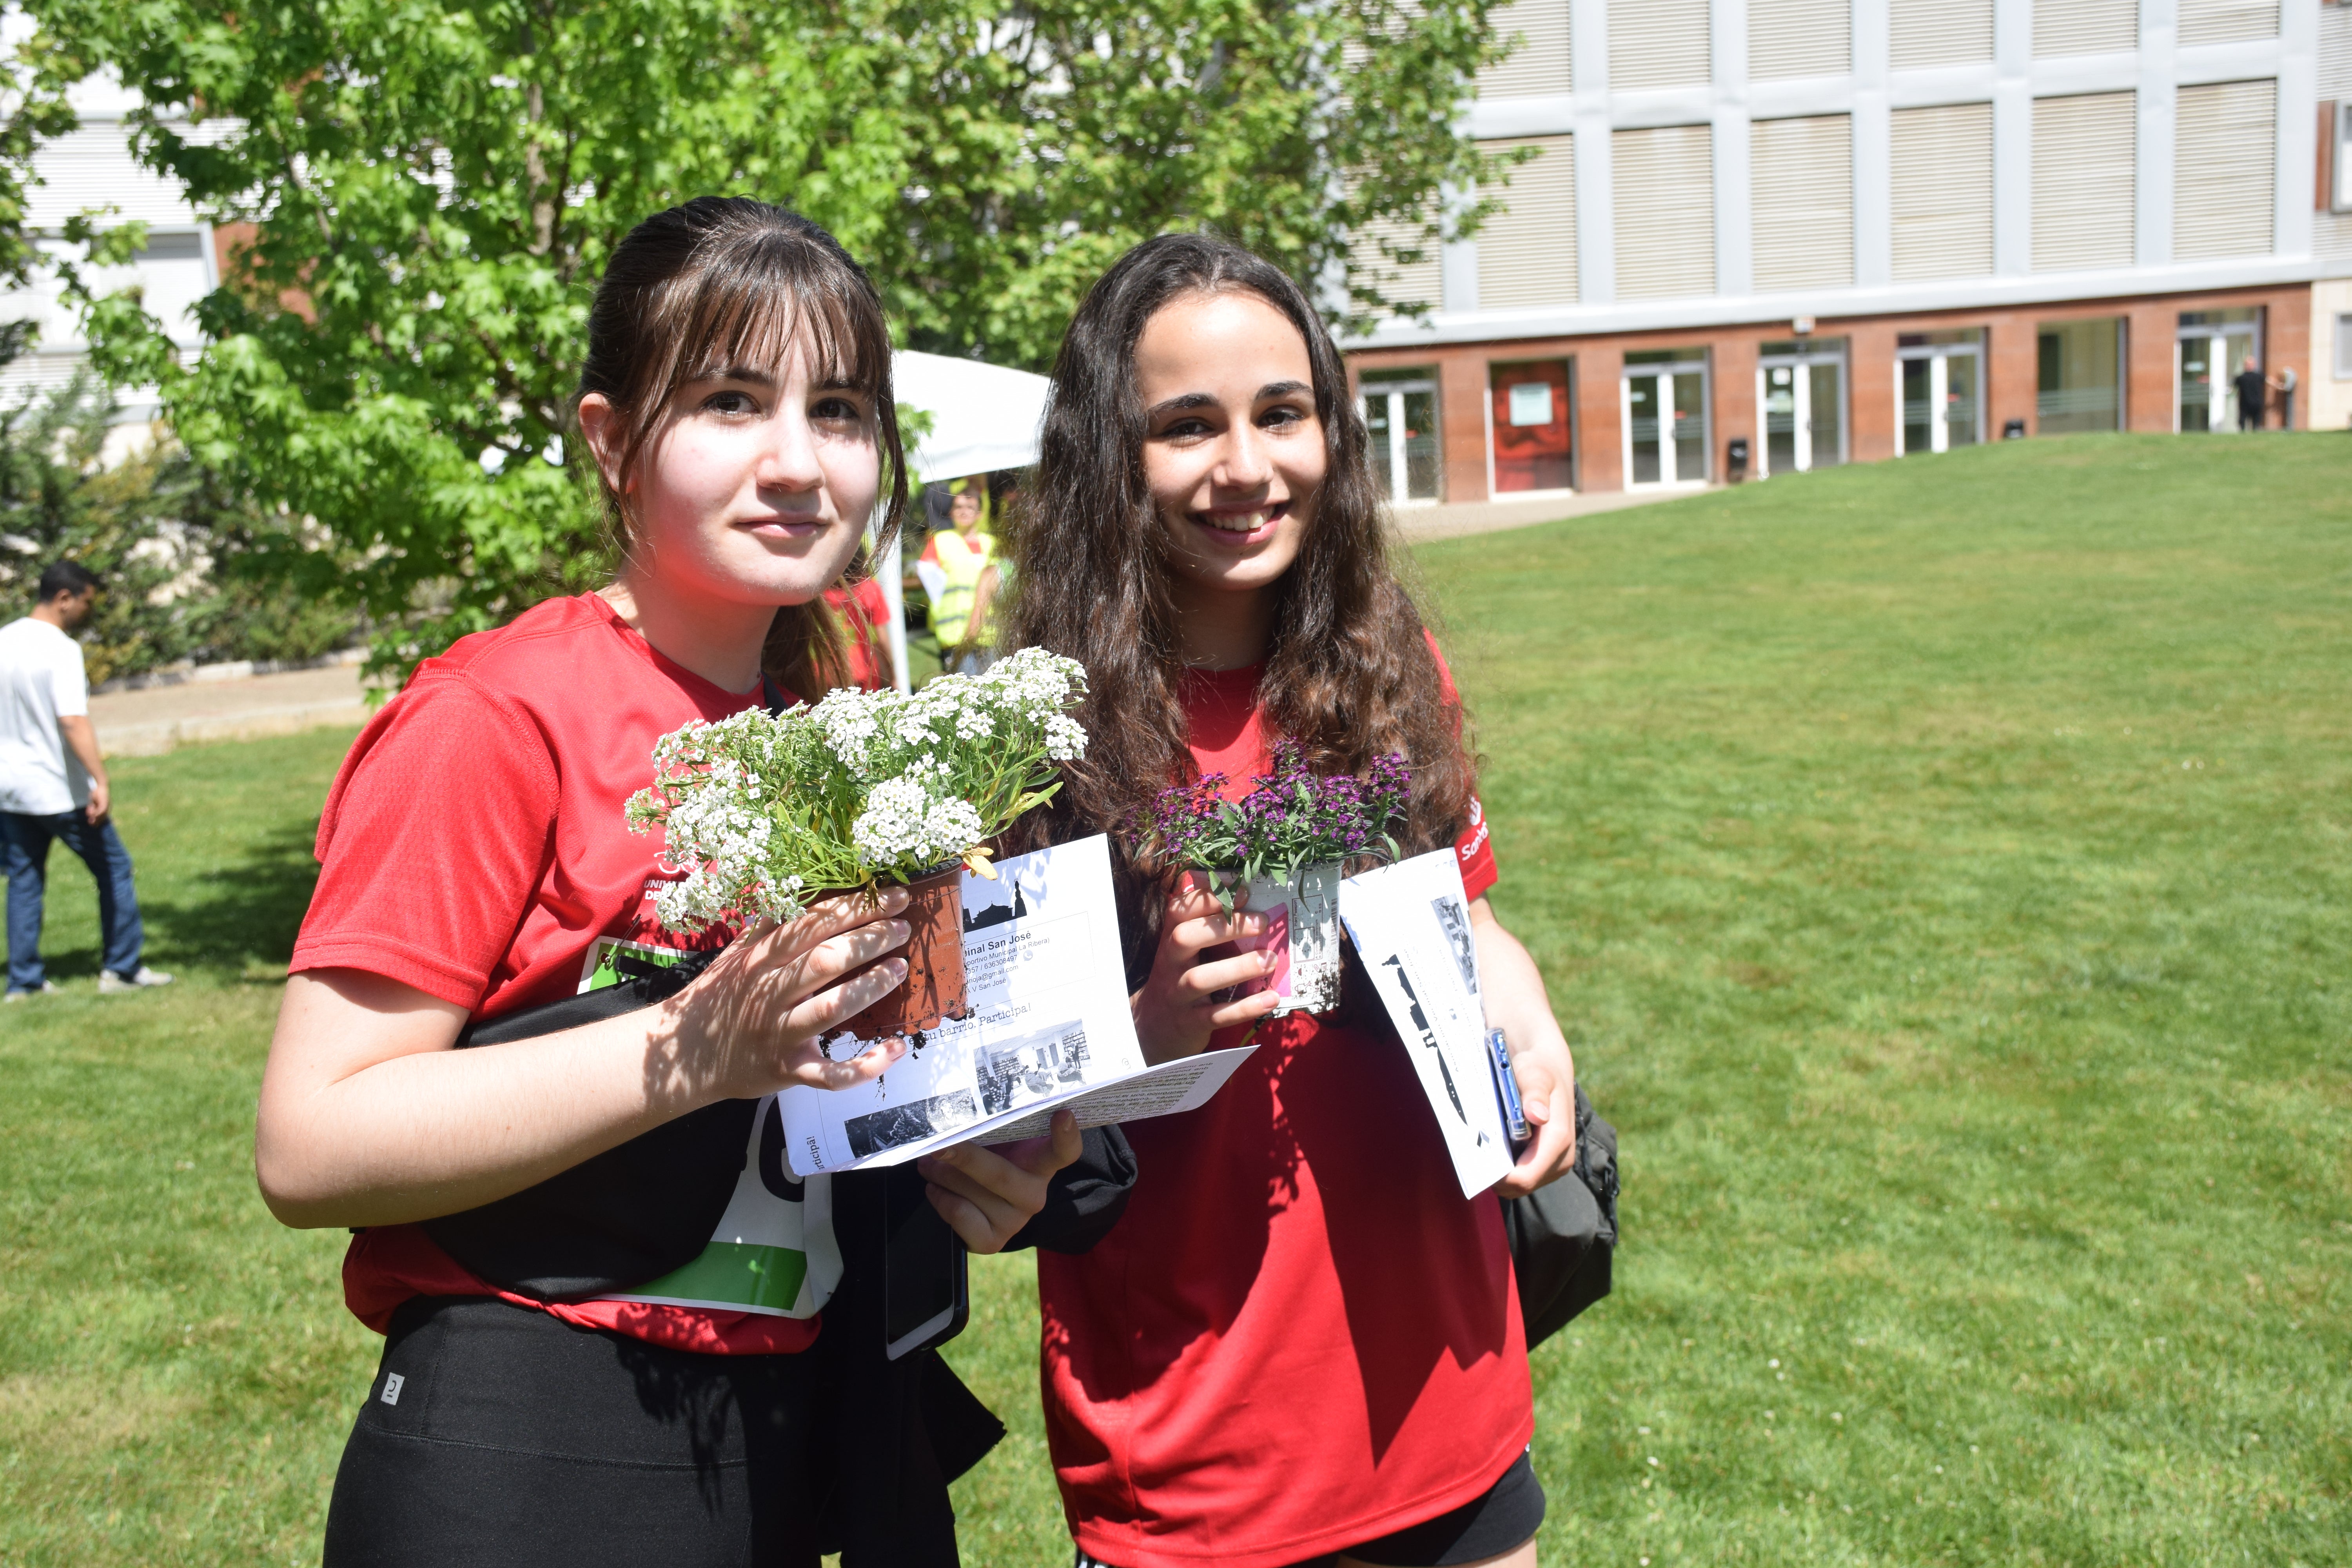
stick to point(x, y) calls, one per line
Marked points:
point(1941, 391)
point(2212, 354)
point(1400, 416)
point(1800, 388)
point(1664, 408)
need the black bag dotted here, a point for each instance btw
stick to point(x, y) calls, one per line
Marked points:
point(1563, 1235)
point(635, 1212)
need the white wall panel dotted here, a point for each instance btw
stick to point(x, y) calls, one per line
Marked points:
point(1924, 33)
point(1803, 211)
point(2084, 27)
point(2224, 165)
point(1526, 252)
point(1800, 37)
point(1941, 192)
point(1657, 43)
point(2085, 150)
point(2226, 21)
point(1540, 63)
point(1665, 187)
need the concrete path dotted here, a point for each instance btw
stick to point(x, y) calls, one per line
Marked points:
point(1420, 524)
point(149, 723)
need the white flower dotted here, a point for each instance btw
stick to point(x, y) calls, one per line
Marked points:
point(902, 823)
point(1066, 738)
point(849, 723)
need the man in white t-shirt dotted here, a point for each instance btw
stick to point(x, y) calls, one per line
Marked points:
point(53, 786)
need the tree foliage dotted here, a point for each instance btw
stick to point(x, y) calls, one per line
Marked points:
point(184, 563)
point(432, 187)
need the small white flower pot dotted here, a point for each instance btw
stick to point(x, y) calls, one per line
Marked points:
point(1304, 938)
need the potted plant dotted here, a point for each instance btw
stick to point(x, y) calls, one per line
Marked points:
point(766, 814)
point(1287, 841)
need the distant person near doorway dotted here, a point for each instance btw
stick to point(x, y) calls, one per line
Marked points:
point(53, 786)
point(2284, 385)
point(2253, 394)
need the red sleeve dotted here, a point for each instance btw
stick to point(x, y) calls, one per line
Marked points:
point(1475, 846)
point(435, 839)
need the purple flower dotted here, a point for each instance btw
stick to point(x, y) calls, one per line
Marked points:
point(1291, 818)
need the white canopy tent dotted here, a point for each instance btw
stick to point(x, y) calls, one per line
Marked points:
point(984, 417)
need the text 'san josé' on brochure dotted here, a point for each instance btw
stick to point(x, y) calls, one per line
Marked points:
point(1048, 1027)
point(1411, 925)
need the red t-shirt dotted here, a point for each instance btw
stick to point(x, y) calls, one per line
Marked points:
point(474, 847)
point(865, 614)
point(1301, 1336)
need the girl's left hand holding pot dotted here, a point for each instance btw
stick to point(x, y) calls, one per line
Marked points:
point(756, 1015)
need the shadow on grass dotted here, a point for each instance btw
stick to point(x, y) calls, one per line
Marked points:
point(244, 916)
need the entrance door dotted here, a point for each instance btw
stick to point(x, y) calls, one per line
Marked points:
point(2211, 357)
point(1665, 423)
point(1401, 418)
point(1942, 395)
point(1802, 394)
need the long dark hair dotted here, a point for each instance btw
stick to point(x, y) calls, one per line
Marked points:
point(727, 280)
point(1348, 673)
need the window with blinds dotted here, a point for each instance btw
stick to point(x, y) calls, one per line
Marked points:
point(1938, 32)
point(2083, 162)
point(1658, 43)
point(1942, 191)
point(2084, 27)
point(1538, 61)
point(1419, 283)
point(2223, 158)
point(1526, 252)
point(1664, 183)
point(2335, 51)
point(1801, 174)
point(2225, 21)
point(1800, 37)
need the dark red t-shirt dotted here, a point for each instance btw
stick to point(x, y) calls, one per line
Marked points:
point(865, 614)
point(1301, 1336)
point(474, 847)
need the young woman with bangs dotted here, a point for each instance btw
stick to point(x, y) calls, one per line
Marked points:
point(1301, 1343)
point(581, 1367)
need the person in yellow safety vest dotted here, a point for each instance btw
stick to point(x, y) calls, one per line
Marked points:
point(956, 568)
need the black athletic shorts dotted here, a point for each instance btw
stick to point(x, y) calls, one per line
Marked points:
point(499, 1436)
point(1501, 1519)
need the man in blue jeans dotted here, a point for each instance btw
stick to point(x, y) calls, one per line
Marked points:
point(53, 786)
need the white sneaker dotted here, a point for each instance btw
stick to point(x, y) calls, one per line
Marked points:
point(111, 983)
point(48, 988)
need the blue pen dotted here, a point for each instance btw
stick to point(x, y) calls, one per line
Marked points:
point(1507, 1088)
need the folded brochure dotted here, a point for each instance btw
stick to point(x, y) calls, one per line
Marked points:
point(1049, 1027)
point(1411, 925)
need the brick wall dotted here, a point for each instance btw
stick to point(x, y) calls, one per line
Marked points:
point(2011, 374)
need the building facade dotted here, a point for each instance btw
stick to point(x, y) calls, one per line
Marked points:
point(2331, 296)
point(1757, 237)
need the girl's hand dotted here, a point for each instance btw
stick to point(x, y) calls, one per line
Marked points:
point(986, 1196)
point(1178, 1009)
point(1515, 1004)
point(750, 1023)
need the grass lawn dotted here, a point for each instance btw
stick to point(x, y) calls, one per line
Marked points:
point(1941, 869)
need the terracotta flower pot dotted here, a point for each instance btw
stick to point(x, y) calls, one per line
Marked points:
point(934, 954)
point(1303, 936)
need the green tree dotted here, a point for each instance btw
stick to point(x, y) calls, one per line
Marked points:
point(190, 569)
point(432, 187)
